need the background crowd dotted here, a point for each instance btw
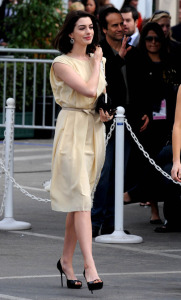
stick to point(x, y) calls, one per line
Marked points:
point(143, 73)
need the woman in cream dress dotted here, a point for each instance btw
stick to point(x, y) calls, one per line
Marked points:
point(77, 79)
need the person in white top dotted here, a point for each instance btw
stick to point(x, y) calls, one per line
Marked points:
point(176, 140)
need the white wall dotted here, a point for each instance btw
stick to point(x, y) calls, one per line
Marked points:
point(144, 7)
point(117, 3)
point(170, 5)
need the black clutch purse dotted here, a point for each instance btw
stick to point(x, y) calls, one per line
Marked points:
point(105, 102)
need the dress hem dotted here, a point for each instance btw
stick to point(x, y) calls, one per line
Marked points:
point(73, 210)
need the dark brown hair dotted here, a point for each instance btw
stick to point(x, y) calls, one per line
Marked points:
point(158, 30)
point(62, 40)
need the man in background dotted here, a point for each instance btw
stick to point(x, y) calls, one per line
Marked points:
point(123, 79)
point(130, 21)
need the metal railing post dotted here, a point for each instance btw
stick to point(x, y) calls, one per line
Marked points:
point(119, 236)
point(9, 138)
point(8, 223)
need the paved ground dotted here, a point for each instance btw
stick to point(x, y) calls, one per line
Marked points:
point(147, 271)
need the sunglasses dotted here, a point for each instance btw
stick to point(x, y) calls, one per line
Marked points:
point(150, 38)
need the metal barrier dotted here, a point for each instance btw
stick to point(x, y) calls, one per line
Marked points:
point(119, 236)
point(9, 223)
point(35, 92)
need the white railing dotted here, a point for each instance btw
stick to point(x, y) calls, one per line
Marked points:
point(42, 108)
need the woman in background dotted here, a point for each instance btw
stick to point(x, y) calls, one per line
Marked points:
point(159, 90)
point(91, 6)
point(163, 18)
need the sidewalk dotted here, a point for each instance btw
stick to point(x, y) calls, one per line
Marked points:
point(147, 271)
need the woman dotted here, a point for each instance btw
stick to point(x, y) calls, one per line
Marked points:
point(176, 140)
point(91, 6)
point(172, 164)
point(158, 83)
point(163, 18)
point(160, 93)
point(77, 5)
point(161, 98)
point(78, 153)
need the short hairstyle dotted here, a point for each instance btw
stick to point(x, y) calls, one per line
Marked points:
point(62, 40)
point(104, 13)
point(158, 30)
point(133, 10)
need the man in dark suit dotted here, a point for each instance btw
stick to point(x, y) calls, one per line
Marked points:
point(124, 88)
point(130, 20)
point(176, 32)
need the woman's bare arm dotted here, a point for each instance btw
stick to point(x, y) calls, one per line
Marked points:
point(72, 79)
point(176, 140)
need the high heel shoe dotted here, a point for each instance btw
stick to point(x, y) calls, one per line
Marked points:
point(93, 285)
point(71, 284)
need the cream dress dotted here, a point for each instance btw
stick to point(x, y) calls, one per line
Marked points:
point(79, 142)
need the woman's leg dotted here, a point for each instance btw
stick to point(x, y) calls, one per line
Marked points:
point(154, 211)
point(70, 242)
point(83, 229)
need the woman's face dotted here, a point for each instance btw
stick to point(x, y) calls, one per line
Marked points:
point(106, 2)
point(152, 42)
point(83, 32)
point(90, 7)
point(165, 25)
point(134, 3)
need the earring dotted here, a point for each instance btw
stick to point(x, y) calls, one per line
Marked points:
point(72, 41)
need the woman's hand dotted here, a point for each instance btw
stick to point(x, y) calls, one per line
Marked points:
point(98, 54)
point(104, 116)
point(176, 171)
point(146, 121)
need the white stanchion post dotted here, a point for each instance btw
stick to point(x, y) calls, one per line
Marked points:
point(8, 223)
point(119, 236)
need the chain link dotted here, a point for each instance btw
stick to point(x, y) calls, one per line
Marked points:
point(19, 187)
point(6, 169)
point(110, 132)
point(112, 128)
point(48, 200)
point(152, 162)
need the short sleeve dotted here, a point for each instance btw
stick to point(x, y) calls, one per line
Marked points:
point(63, 59)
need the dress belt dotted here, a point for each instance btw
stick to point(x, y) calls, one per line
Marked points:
point(87, 111)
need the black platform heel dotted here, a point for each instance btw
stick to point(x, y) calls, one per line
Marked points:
point(71, 284)
point(92, 285)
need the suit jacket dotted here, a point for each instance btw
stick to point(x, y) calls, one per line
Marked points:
point(176, 32)
point(135, 41)
point(120, 86)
